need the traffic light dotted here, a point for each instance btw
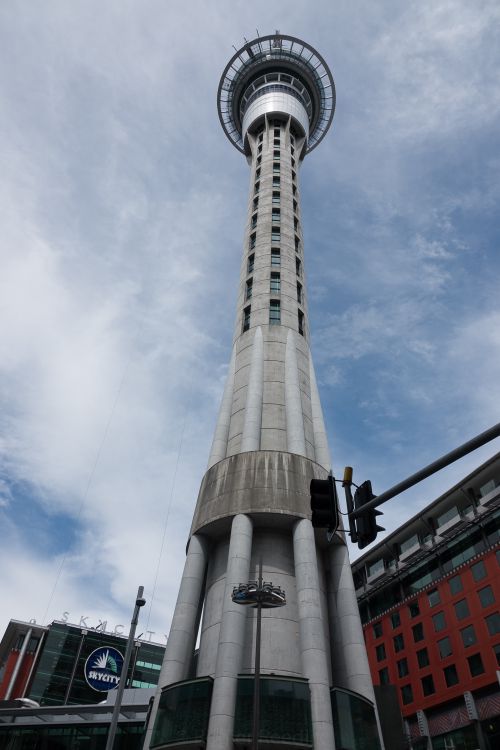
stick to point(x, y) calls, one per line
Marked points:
point(324, 504)
point(366, 524)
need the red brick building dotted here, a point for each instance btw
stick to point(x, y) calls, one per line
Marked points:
point(429, 597)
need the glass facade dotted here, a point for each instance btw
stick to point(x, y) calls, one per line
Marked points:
point(285, 710)
point(60, 678)
point(183, 712)
point(354, 722)
point(128, 737)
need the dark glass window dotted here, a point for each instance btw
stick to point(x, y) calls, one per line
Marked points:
point(276, 196)
point(496, 649)
point(274, 312)
point(253, 238)
point(246, 318)
point(399, 642)
point(396, 619)
point(275, 234)
point(254, 221)
point(255, 203)
point(493, 623)
point(383, 676)
point(257, 172)
point(475, 665)
point(299, 293)
point(444, 646)
point(276, 181)
point(486, 596)
point(439, 621)
point(276, 215)
point(418, 632)
point(377, 629)
point(428, 685)
point(414, 609)
point(301, 322)
point(450, 675)
point(275, 282)
point(402, 667)
point(462, 609)
point(250, 264)
point(275, 257)
point(478, 571)
point(276, 153)
point(423, 658)
point(276, 167)
point(433, 597)
point(297, 243)
point(406, 694)
point(248, 290)
point(468, 635)
point(455, 584)
point(257, 187)
point(298, 266)
point(380, 652)
point(461, 549)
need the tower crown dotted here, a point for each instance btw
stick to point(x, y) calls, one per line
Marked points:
point(276, 74)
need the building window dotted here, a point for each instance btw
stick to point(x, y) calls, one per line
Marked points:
point(468, 636)
point(276, 167)
point(475, 665)
point(461, 609)
point(294, 190)
point(257, 187)
point(439, 621)
point(295, 223)
point(377, 629)
point(383, 676)
point(261, 136)
point(455, 584)
point(428, 685)
point(433, 597)
point(276, 196)
point(250, 263)
point(275, 257)
point(418, 632)
point(246, 318)
point(402, 667)
point(275, 282)
point(276, 215)
point(253, 238)
point(396, 619)
point(276, 142)
point(298, 266)
point(450, 514)
point(478, 571)
point(274, 312)
point(276, 181)
point(297, 244)
point(259, 149)
point(496, 650)
point(255, 203)
point(450, 675)
point(301, 322)
point(295, 205)
point(248, 290)
point(277, 132)
point(380, 652)
point(254, 221)
point(259, 159)
point(406, 694)
point(299, 292)
point(486, 596)
point(257, 173)
point(399, 642)
point(293, 162)
point(276, 153)
point(414, 609)
point(275, 234)
point(493, 623)
point(444, 646)
point(423, 658)
point(294, 175)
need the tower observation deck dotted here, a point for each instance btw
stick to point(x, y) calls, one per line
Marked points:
point(276, 101)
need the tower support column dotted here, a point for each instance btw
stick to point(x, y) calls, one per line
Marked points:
point(183, 630)
point(313, 646)
point(231, 640)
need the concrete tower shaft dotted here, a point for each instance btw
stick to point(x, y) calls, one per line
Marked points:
point(276, 101)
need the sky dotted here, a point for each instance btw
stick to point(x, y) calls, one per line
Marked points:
point(122, 211)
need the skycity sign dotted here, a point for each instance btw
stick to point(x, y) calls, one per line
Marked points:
point(103, 669)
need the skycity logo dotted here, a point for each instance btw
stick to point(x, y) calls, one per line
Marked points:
point(103, 669)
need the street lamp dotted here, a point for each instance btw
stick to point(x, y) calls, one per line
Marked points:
point(260, 595)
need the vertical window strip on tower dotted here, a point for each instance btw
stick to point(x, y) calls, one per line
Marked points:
point(275, 282)
point(248, 290)
point(246, 318)
point(274, 312)
point(275, 257)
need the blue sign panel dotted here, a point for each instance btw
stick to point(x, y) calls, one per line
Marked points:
point(103, 669)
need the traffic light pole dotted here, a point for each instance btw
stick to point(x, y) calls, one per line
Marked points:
point(427, 471)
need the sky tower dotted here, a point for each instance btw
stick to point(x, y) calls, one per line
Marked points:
point(276, 100)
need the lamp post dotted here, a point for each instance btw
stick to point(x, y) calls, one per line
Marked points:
point(260, 595)
point(139, 602)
